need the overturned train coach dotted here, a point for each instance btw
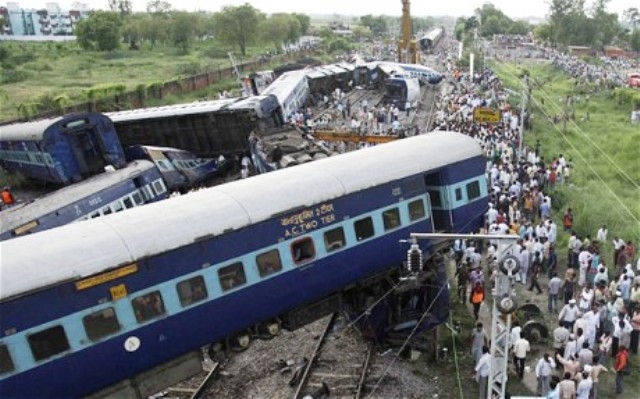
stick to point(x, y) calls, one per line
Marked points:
point(107, 306)
point(61, 150)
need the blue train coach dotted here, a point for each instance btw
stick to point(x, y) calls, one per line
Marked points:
point(136, 184)
point(61, 150)
point(98, 306)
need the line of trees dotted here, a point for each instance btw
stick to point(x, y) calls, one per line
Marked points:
point(571, 23)
point(239, 26)
point(490, 21)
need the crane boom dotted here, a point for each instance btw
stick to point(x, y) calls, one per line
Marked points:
point(407, 48)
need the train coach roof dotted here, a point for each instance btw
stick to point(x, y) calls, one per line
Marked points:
point(34, 131)
point(83, 249)
point(196, 107)
point(17, 216)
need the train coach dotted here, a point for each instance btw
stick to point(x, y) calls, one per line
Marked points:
point(136, 184)
point(61, 150)
point(206, 128)
point(429, 41)
point(103, 306)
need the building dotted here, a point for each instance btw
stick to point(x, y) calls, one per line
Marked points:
point(49, 21)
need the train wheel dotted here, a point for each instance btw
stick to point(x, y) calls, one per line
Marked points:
point(269, 329)
point(240, 342)
point(217, 352)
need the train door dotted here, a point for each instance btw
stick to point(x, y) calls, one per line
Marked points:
point(440, 203)
point(89, 149)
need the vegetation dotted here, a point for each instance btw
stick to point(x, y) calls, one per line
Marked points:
point(606, 177)
point(571, 24)
point(492, 21)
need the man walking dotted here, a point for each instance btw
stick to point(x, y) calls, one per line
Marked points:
point(621, 363)
point(520, 349)
point(482, 372)
point(543, 374)
point(554, 285)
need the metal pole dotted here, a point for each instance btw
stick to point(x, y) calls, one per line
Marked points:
point(524, 105)
point(500, 318)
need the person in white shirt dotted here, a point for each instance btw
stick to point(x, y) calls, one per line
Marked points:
point(520, 349)
point(602, 234)
point(482, 372)
point(569, 314)
point(543, 373)
point(584, 387)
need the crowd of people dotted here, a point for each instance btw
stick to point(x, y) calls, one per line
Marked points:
point(597, 303)
point(610, 74)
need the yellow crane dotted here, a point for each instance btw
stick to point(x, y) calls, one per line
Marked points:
point(407, 46)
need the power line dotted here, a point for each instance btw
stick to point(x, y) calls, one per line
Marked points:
point(579, 129)
point(585, 162)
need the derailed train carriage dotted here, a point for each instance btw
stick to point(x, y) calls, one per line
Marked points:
point(61, 150)
point(206, 128)
point(144, 293)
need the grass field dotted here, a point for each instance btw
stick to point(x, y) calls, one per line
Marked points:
point(605, 182)
point(604, 187)
point(40, 72)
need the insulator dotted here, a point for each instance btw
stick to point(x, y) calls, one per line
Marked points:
point(414, 258)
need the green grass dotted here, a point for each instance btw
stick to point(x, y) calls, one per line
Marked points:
point(605, 182)
point(55, 69)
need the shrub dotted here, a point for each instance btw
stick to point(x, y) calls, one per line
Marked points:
point(14, 76)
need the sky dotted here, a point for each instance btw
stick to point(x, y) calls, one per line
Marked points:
point(512, 8)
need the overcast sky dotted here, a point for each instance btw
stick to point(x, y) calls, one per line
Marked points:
point(513, 8)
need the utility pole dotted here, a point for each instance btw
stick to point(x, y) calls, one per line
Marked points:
point(504, 304)
point(237, 72)
point(525, 81)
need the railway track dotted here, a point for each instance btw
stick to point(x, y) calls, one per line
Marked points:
point(331, 371)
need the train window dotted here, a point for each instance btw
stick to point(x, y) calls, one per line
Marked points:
point(303, 250)
point(6, 364)
point(116, 206)
point(269, 263)
point(158, 187)
point(458, 194)
point(364, 229)
point(192, 291)
point(128, 202)
point(391, 218)
point(48, 343)
point(231, 276)
point(137, 198)
point(101, 324)
point(434, 197)
point(473, 190)
point(95, 215)
point(334, 239)
point(147, 307)
point(106, 210)
point(416, 210)
point(162, 165)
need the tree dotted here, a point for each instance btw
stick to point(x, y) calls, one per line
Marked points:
point(153, 29)
point(632, 15)
point(362, 32)
point(100, 31)
point(305, 23)
point(275, 29)
point(183, 28)
point(124, 7)
point(238, 25)
point(158, 7)
point(377, 25)
point(634, 40)
point(295, 30)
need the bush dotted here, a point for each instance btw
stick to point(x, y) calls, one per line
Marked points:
point(214, 52)
point(14, 76)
